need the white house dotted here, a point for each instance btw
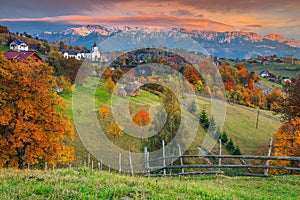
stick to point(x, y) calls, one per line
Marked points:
point(18, 45)
point(286, 81)
point(71, 53)
point(94, 54)
point(264, 74)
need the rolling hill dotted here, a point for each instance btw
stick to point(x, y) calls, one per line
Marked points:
point(239, 123)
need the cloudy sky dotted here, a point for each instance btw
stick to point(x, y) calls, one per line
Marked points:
point(261, 16)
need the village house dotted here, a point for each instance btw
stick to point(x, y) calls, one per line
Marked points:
point(131, 89)
point(23, 56)
point(18, 45)
point(93, 55)
point(264, 74)
point(286, 81)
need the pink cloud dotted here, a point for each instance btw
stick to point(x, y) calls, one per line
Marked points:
point(164, 21)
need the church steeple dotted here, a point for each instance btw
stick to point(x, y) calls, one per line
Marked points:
point(95, 53)
point(95, 48)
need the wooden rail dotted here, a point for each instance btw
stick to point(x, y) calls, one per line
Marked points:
point(216, 167)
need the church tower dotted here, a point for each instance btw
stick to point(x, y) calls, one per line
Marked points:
point(95, 53)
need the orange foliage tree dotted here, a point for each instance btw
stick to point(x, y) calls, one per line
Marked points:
point(287, 141)
point(240, 85)
point(142, 118)
point(33, 123)
point(275, 99)
point(104, 111)
point(287, 138)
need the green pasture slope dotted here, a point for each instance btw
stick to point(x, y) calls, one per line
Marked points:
point(279, 69)
point(92, 184)
point(239, 123)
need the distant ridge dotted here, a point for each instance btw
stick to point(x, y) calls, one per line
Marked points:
point(232, 44)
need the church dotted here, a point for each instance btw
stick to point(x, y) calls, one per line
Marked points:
point(93, 55)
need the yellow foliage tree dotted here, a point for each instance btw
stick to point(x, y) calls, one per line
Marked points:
point(114, 130)
point(287, 138)
point(33, 123)
point(109, 85)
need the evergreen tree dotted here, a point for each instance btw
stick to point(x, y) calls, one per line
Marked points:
point(218, 132)
point(230, 145)
point(212, 126)
point(224, 137)
point(204, 120)
point(193, 107)
point(237, 151)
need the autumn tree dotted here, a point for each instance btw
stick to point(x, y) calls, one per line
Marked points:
point(116, 75)
point(104, 111)
point(65, 85)
point(67, 67)
point(109, 85)
point(33, 123)
point(106, 73)
point(4, 29)
point(240, 85)
point(287, 137)
point(275, 99)
point(191, 74)
point(291, 105)
point(114, 130)
point(142, 118)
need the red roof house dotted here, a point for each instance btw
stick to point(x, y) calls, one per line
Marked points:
point(23, 56)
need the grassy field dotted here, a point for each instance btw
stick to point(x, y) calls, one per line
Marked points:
point(266, 82)
point(279, 69)
point(239, 124)
point(4, 48)
point(89, 184)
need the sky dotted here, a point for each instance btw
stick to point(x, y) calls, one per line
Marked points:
point(261, 16)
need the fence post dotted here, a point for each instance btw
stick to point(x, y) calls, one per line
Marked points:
point(108, 168)
point(145, 152)
point(257, 117)
point(89, 159)
point(28, 166)
point(220, 153)
point(130, 164)
point(99, 166)
point(181, 160)
point(46, 166)
point(120, 162)
point(269, 154)
point(84, 164)
point(148, 164)
point(92, 164)
point(172, 160)
point(164, 157)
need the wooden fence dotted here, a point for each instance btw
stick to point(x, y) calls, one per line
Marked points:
point(176, 167)
point(215, 168)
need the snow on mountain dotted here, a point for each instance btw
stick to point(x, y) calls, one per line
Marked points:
point(234, 44)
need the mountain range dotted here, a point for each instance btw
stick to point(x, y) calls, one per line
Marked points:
point(234, 44)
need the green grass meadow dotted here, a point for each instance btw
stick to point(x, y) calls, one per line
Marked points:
point(92, 184)
point(279, 69)
point(239, 124)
